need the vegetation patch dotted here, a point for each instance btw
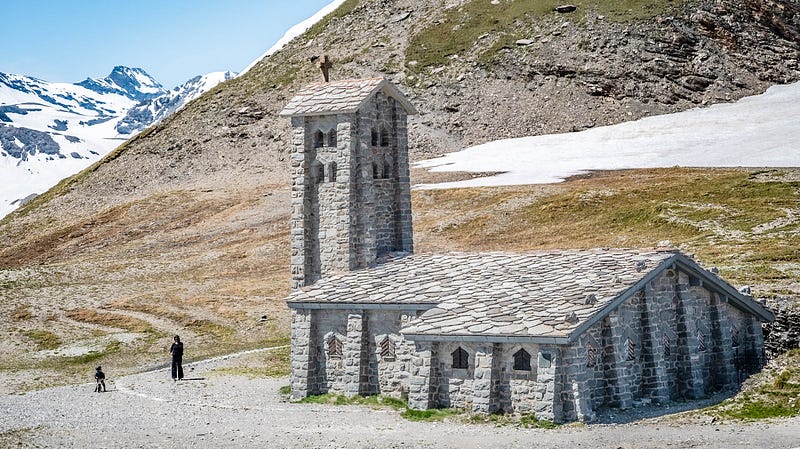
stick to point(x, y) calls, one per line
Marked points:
point(21, 312)
point(461, 27)
point(382, 401)
point(711, 213)
point(431, 415)
point(110, 319)
point(285, 390)
point(772, 393)
point(43, 339)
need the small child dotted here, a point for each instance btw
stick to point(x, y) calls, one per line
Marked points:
point(100, 378)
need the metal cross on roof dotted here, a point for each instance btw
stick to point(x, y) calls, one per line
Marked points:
point(325, 65)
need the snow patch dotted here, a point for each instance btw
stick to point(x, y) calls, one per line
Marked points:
point(757, 131)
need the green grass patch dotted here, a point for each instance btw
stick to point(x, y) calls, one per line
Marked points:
point(772, 393)
point(430, 415)
point(43, 339)
point(460, 27)
point(531, 421)
point(285, 390)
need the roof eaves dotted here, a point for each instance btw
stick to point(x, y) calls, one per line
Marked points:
point(736, 298)
point(561, 340)
point(318, 305)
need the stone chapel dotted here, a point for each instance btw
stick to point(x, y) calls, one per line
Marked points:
point(562, 334)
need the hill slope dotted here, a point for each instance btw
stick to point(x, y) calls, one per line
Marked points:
point(184, 228)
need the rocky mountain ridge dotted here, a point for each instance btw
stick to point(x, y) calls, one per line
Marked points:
point(52, 130)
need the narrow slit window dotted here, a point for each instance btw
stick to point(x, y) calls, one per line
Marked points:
point(460, 359)
point(332, 138)
point(522, 360)
point(387, 349)
point(319, 139)
point(591, 356)
point(334, 348)
point(332, 172)
point(665, 340)
point(375, 138)
point(734, 337)
point(701, 342)
point(630, 350)
point(376, 171)
point(384, 137)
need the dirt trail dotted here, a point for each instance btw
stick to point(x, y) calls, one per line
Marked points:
point(218, 410)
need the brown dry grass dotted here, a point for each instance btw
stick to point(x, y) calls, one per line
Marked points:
point(109, 319)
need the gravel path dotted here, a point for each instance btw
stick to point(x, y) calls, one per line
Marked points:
point(149, 410)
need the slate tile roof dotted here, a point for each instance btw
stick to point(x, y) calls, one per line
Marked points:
point(531, 294)
point(343, 96)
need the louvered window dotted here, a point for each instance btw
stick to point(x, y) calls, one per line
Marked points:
point(460, 359)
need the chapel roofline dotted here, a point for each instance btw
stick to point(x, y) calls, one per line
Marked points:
point(342, 97)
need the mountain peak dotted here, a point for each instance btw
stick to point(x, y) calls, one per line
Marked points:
point(133, 83)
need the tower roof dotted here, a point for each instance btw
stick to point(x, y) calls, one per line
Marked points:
point(343, 96)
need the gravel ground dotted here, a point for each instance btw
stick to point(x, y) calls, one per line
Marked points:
point(212, 410)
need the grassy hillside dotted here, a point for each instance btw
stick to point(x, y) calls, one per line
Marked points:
point(184, 229)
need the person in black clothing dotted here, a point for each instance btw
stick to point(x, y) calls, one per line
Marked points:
point(100, 379)
point(177, 358)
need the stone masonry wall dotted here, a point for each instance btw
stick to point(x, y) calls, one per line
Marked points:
point(672, 341)
point(351, 197)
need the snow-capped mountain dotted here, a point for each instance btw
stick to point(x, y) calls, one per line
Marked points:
point(133, 83)
point(158, 108)
point(49, 131)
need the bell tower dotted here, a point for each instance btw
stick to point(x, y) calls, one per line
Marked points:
point(351, 194)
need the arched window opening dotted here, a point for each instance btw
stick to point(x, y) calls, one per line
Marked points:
point(387, 349)
point(319, 139)
point(522, 360)
point(332, 172)
point(334, 348)
point(460, 359)
point(332, 138)
point(375, 138)
point(387, 168)
point(591, 356)
point(384, 137)
point(630, 350)
point(376, 171)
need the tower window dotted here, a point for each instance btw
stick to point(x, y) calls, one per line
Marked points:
point(384, 137)
point(387, 168)
point(376, 171)
point(701, 342)
point(460, 359)
point(522, 360)
point(375, 138)
point(332, 138)
point(665, 340)
point(319, 139)
point(332, 172)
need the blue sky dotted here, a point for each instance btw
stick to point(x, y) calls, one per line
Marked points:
point(172, 40)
